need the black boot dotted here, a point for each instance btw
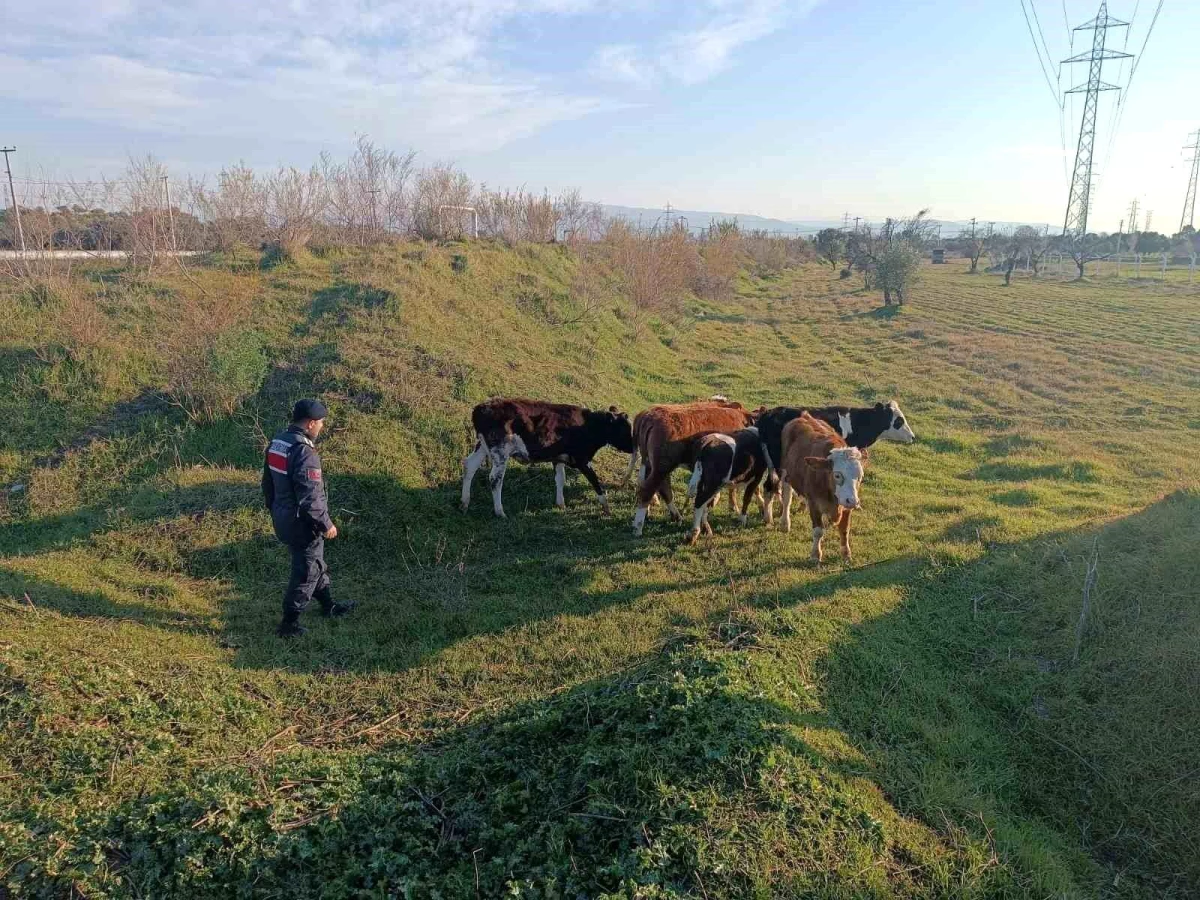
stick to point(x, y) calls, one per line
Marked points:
point(290, 627)
point(329, 609)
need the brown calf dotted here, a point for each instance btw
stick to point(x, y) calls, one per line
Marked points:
point(662, 436)
point(817, 464)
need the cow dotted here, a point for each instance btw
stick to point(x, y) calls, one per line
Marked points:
point(534, 431)
point(662, 436)
point(817, 464)
point(859, 427)
point(720, 460)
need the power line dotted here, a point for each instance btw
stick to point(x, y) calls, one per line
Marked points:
point(1037, 50)
point(1038, 22)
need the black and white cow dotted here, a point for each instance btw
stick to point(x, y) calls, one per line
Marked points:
point(858, 426)
point(720, 460)
point(534, 431)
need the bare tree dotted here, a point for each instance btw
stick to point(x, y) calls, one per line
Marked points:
point(368, 194)
point(146, 207)
point(295, 203)
point(437, 187)
point(234, 211)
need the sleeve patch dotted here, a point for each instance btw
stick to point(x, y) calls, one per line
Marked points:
point(313, 474)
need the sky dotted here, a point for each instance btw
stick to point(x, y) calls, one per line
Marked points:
point(795, 109)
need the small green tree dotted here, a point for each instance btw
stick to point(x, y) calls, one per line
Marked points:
point(889, 258)
point(831, 246)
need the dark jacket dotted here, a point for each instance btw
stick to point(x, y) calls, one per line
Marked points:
point(294, 488)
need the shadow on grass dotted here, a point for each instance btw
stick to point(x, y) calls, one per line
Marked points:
point(689, 775)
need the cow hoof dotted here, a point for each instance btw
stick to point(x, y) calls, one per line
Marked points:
point(500, 514)
point(692, 537)
point(742, 520)
point(463, 507)
point(561, 505)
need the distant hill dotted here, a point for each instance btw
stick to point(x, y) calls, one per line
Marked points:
point(698, 220)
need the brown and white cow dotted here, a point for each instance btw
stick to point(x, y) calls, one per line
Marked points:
point(662, 436)
point(858, 426)
point(535, 431)
point(817, 464)
point(720, 460)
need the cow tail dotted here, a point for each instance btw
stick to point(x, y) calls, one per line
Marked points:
point(772, 474)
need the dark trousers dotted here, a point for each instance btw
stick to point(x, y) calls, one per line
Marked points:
point(310, 578)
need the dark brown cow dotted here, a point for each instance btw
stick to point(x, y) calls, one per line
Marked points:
point(662, 435)
point(534, 431)
point(720, 460)
point(819, 466)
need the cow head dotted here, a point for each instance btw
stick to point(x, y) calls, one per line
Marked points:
point(845, 465)
point(618, 432)
point(897, 427)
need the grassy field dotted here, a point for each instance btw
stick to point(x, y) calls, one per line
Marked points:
point(548, 707)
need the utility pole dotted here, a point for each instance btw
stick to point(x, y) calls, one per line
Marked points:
point(1149, 219)
point(1120, 231)
point(170, 214)
point(1133, 211)
point(12, 193)
point(1079, 199)
point(972, 228)
point(1189, 199)
point(857, 219)
point(846, 220)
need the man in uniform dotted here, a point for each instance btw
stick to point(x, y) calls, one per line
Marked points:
point(295, 494)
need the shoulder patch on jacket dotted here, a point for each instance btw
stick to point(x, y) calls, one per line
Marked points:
point(313, 474)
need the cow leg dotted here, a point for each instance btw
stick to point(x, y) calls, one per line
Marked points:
point(470, 466)
point(700, 516)
point(752, 490)
point(594, 480)
point(642, 480)
point(785, 521)
point(843, 524)
point(645, 492)
point(560, 479)
point(818, 532)
point(664, 491)
point(633, 458)
point(733, 507)
point(707, 527)
point(694, 481)
point(499, 457)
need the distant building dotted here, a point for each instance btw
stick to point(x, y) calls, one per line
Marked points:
point(938, 256)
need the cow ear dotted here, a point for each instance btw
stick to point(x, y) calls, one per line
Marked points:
point(613, 410)
point(879, 406)
point(818, 462)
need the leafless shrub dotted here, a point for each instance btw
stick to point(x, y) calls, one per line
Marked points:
point(149, 226)
point(234, 210)
point(438, 187)
point(652, 268)
point(368, 194)
point(295, 203)
point(578, 219)
point(721, 252)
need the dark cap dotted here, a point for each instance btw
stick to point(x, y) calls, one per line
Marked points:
point(308, 409)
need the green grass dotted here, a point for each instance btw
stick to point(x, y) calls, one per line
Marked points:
point(547, 707)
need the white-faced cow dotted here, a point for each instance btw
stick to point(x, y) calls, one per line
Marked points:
point(533, 431)
point(720, 460)
point(859, 427)
point(817, 464)
point(663, 434)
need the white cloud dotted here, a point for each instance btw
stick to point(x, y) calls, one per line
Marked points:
point(423, 73)
point(701, 50)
